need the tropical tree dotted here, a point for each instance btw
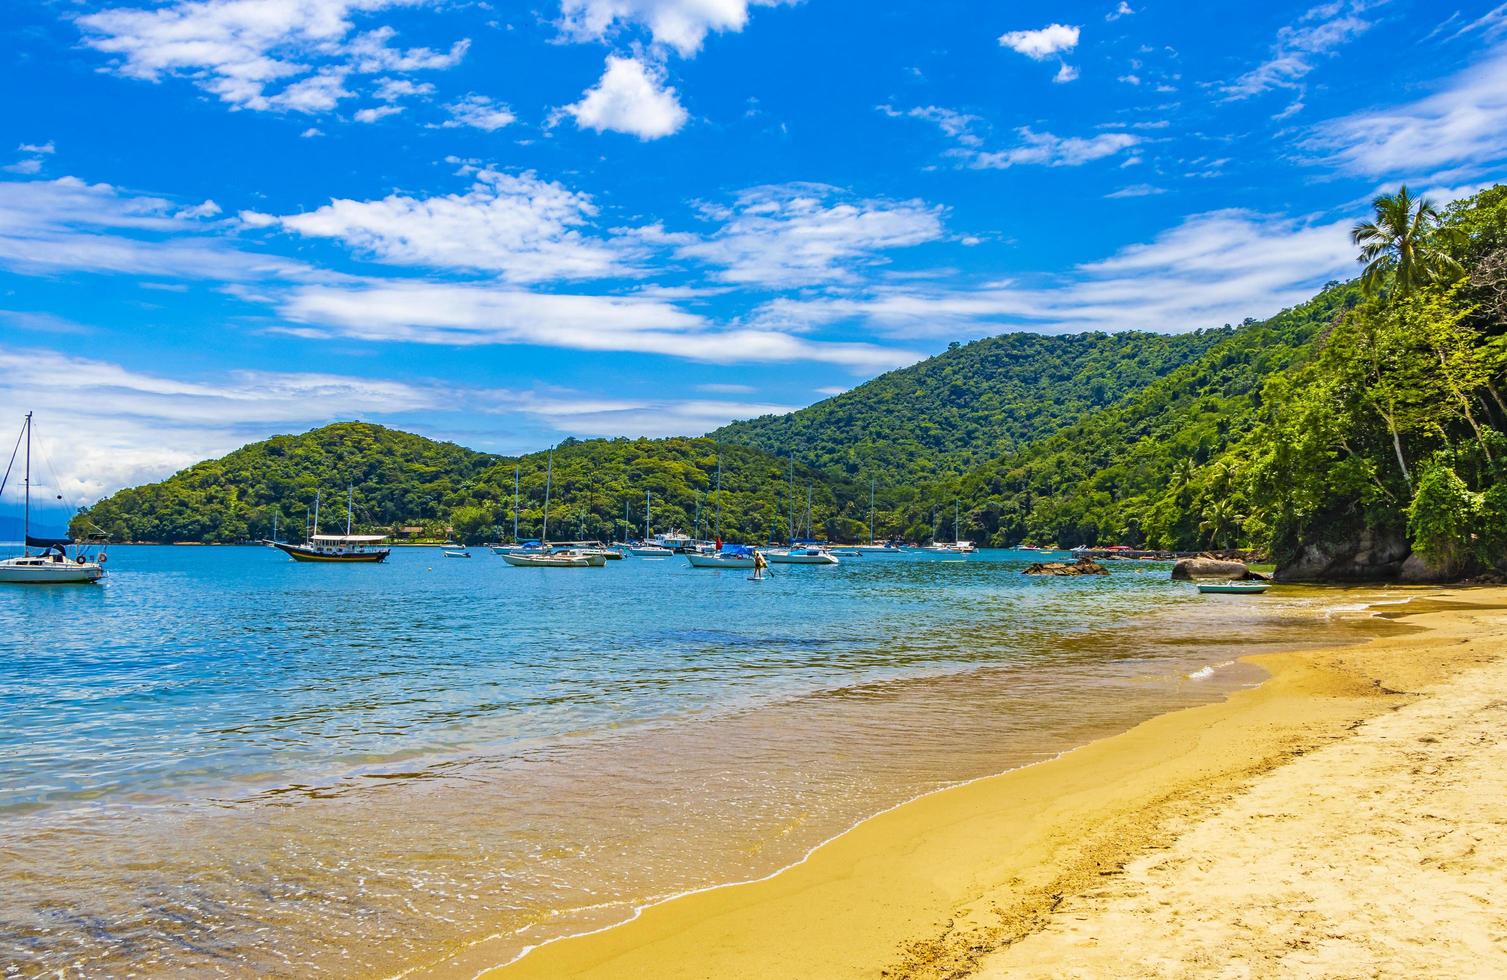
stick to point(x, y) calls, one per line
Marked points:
point(1403, 247)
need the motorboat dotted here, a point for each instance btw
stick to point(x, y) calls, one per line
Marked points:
point(801, 555)
point(51, 565)
point(456, 553)
point(731, 556)
point(650, 551)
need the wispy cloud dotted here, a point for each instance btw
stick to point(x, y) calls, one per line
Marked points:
point(1051, 150)
point(678, 24)
point(517, 225)
point(1462, 127)
point(1320, 31)
point(270, 55)
point(805, 234)
point(1210, 269)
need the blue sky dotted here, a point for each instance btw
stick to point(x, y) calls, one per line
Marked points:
point(505, 224)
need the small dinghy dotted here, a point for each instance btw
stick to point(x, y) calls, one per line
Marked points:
point(1234, 588)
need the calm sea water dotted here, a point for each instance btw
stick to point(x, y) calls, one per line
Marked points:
point(221, 761)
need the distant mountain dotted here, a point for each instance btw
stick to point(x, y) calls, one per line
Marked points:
point(597, 490)
point(968, 405)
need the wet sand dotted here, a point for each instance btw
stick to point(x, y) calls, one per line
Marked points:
point(1346, 816)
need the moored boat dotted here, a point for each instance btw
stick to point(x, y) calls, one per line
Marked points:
point(51, 565)
point(549, 560)
point(731, 556)
point(1233, 588)
point(801, 555)
point(339, 549)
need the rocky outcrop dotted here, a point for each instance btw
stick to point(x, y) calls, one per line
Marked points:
point(1416, 571)
point(1371, 556)
point(1212, 569)
point(1083, 566)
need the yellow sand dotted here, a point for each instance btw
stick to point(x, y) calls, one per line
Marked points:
point(1346, 817)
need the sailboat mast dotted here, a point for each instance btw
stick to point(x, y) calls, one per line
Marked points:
point(350, 503)
point(719, 496)
point(646, 516)
point(810, 517)
point(955, 538)
point(316, 513)
point(549, 476)
point(792, 497)
point(872, 481)
point(515, 505)
point(26, 512)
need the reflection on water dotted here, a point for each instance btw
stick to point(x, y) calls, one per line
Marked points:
point(226, 762)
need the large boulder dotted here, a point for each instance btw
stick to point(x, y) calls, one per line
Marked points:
point(1083, 566)
point(1416, 571)
point(1214, 569)
point(1370, 556)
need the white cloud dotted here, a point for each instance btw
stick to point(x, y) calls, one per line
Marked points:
point(804, 234)
point(465, 314)
point(31, 165)
point(958, 125)
point(69, 225)
point(1065, 73)
point(136, 426)
point(279, 55)
point(1136, 190)
point(311, 132)
point(631, 97)
point(582, 415)
point(206, 209)
point(1463, 125)
point(393, 89)
point(1211, 269)
point(374, 113)
point(517, 225)
point(1123, 10)
point(1048, 149)
point(43, 148)
point(479, 112)
point(1319, 31)
point(679, 24)
point(1041, 44)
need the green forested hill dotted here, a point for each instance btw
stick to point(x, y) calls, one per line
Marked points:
point(402, 479)
point(1127, 472)
point(968, 405)
point(1372, 418)
point(397, 477)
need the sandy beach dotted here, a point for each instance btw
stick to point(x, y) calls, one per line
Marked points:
point(1346, 817)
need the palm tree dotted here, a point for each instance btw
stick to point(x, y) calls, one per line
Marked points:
point(1402, 247)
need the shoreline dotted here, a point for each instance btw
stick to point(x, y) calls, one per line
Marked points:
point(952, 894)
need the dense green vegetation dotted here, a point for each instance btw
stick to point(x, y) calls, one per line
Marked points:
point(968, 405)
point(597, 490)
point(1375, 408)
point(397, 477)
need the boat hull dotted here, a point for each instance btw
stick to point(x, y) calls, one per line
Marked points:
point(1232, 588)
point(548, 561)
point(300, 553)
point(650, 552)
point(713, 561)
point(50, 573)
point(776, 558)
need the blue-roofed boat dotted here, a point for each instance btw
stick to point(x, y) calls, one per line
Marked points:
point(731, 556)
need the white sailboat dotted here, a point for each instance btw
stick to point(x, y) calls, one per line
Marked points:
point(51, 565)
point(647, 548)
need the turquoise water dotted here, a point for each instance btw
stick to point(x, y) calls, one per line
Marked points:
point(221, 760)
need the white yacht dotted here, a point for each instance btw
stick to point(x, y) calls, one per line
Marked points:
point(51, 564)
point(801, 555)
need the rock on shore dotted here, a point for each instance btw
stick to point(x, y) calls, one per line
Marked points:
point(1215, 569)
point(1083, 566)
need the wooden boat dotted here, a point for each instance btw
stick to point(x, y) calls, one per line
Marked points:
point(51, 565)
point(339, 549)
point(1233, 588)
